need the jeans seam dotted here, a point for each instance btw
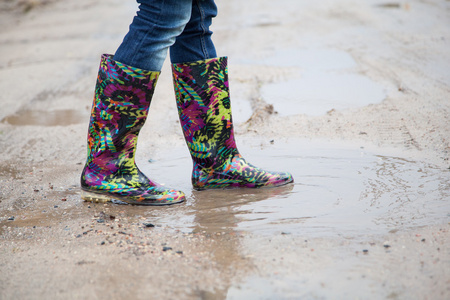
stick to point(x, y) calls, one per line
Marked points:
point(146, 34)
point(202, 39)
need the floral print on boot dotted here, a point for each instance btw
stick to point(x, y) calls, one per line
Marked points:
point(122, 99)
point(204, 109)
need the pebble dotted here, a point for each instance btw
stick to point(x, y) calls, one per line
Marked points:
point(148, 225)
point(11, 218)
point(365, 251)
point(167, 248)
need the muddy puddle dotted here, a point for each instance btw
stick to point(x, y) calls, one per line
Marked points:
point(338, 191)
point(326, 79)
point(46, 118)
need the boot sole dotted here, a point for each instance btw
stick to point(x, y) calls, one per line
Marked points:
point(93, 197)
point(225, 187)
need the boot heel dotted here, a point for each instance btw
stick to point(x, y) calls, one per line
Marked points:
point(94, 197)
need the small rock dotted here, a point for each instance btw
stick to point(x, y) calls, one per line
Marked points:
point(11, 218)
point(167, 248)
point(148, 225)
point(102, 243)
point(100, 221)
point(365, 251)
point(179, 252)
point(386, 246)
point(56, 206)
point(423, 240)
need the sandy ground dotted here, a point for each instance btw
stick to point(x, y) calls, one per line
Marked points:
point(390, 60)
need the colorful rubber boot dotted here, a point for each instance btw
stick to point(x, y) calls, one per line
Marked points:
point(122, 99)
point(204, 108)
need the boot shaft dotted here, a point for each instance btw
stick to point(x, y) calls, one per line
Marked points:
point(204, 108)
point(121, 102)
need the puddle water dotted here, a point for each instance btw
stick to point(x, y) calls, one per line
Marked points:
point(30, 213)
point(338, 191)
point(327, 79)
point(10, 171)
point(47, 118)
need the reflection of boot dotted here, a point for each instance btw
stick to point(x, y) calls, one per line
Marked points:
point(121, 103)
point(205, 114)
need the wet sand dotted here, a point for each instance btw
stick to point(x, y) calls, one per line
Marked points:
point(350, 97)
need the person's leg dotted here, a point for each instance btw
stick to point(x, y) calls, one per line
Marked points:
point(153, 30)
point(195, 42)
point(125, 85)
point(204, 107)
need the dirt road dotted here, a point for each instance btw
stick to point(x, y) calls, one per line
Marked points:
point(350, 96)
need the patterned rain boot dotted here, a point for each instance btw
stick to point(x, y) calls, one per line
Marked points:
point(122, 99)
point(204, 108)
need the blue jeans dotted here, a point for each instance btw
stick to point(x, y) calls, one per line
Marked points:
point(181, 25)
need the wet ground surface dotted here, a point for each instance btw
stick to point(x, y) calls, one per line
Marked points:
point(349, 96)
point(324, 80)
point(348, 198)
point(46, 118)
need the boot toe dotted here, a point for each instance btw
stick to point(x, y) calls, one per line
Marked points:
point(162, 197)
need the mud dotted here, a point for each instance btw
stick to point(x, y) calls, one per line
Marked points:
point(46, 118)
point(349, 96)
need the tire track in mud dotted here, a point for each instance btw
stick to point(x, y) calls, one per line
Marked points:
point(396, 133)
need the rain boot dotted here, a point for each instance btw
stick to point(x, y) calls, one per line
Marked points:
point(122, 99)
point(204, 109)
